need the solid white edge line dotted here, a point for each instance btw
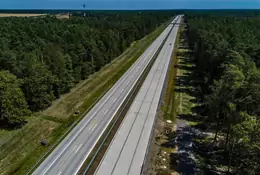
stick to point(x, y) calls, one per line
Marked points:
point(78, 168)
point(106, 151)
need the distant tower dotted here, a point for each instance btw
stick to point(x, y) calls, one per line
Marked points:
point(84, 6)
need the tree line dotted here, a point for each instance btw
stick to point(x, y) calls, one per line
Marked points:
point(227, 56)
point(44, 57)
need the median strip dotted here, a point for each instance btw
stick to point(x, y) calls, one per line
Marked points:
point(95, 157)
point(105, 89)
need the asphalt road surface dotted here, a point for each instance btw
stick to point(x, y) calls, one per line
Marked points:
point(127, 151)
point(68, 157)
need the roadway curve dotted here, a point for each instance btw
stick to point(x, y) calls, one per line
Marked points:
point(68, 157)
point(126, 153)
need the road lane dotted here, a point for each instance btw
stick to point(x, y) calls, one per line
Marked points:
point(64, 158)
point(126, 153)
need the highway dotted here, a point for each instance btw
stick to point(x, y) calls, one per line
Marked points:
point(127, 151)
point(68, 157)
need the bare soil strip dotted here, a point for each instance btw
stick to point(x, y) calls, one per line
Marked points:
point(19, 15)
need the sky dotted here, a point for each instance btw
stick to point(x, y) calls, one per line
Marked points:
point(130, 4)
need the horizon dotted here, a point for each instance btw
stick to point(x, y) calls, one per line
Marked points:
point(127, 9)
point(130, 4)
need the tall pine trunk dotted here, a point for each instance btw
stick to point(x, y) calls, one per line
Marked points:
point(227, 136)
point(217, 129)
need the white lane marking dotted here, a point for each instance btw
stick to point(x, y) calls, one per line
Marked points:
point(112, 92)
point(97, 110)
point(59, 173)
point(74, 148)
point(78, 148)
point(106, 111)
point(122, 90)
point(94, 127)
point(114, 100)
point(83, 160)
point(68, 156)
point(93, 123)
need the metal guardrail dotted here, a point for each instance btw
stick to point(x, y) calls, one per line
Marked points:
point(160, 102)
point(143, 76)
point(114, 123)
point(52, 147)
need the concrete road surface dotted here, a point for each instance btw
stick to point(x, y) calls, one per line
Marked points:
point(127, 151)
point(71, 153)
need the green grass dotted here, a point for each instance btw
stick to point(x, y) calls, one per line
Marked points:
point(192, 123)
point(169, 149)
point(182, 101)
point(169, 97)
point(20, 143)
point(20, 149)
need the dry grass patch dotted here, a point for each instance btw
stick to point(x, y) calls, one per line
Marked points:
point(19, 15)
point(63, 16)
point(16, 145)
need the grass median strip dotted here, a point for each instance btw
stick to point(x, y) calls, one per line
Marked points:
point(53, 122)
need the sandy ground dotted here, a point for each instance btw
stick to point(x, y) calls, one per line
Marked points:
point(63, 16)
point(19, 15)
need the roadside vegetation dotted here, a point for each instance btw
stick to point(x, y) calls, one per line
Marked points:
point(226, 54)
point(158, 159)
point(168, 101)
point(216, 97)
point(20, 136)
point(49, 55)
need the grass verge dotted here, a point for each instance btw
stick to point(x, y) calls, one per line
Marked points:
point(158, 159)
point(20, 149)
point(169, 98)
point(181, 99)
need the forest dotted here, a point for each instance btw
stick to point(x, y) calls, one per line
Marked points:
point(44, 57)
point(226, 51)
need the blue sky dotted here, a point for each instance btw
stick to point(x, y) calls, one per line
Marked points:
point(130, 4)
